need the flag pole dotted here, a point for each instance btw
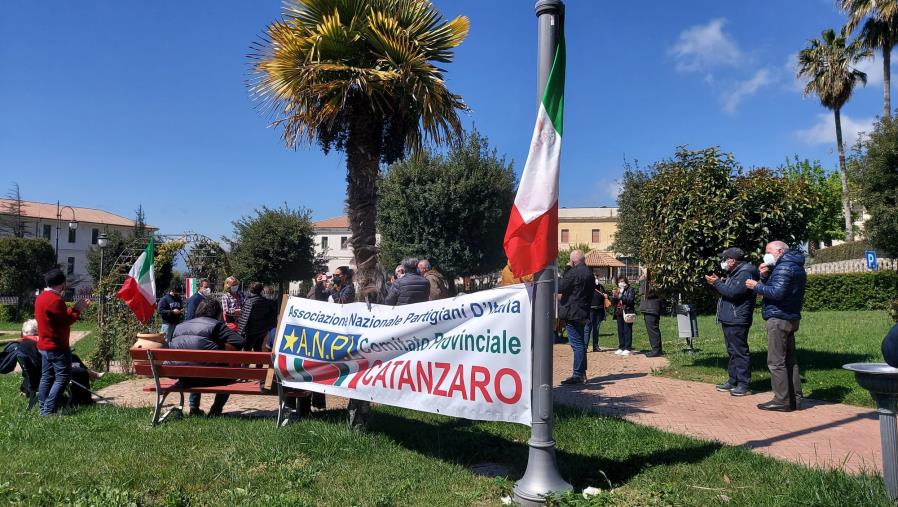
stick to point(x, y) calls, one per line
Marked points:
point(541, 476)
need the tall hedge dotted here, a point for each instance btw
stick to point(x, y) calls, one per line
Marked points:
point(844, 252)
point(851, 291)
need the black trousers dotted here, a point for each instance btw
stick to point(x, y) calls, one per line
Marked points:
point(624, 334)
point(739, 367)
point(653, 328)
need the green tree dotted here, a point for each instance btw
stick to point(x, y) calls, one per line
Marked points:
point(874, 164)
point(829, 65)
point(699, 203)
point(879, 31)
point(827, 223)
point(360, 77)
point(23, 262)
point(273, 246)
point(628, 238)
point(140, 224)
point(207, 259)
point(452, 209)
point(117, 243)
point(564, 256)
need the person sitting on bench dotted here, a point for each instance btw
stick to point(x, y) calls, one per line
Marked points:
point(206, 331)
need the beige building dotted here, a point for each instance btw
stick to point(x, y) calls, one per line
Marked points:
point(595, 227)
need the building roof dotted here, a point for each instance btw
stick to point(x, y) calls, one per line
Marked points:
point(603, 212)
point(341, 222)
point(602, 259)
point(47, 211)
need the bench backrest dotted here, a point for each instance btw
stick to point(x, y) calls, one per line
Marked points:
point(223, 364)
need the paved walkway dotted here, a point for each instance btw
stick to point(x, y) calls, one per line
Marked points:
point(820, 435)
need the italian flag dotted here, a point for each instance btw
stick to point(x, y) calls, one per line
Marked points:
point(139, 290)
point(531, 240)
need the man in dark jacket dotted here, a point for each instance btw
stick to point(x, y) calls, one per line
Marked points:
point(171, 308)
point(735, 310)
point(206, 332)
point(782, 284)
point(195, 299)
point(411, 287)
point(596, 315)
point(257, 318)
point(575, 295)
point(650, 306)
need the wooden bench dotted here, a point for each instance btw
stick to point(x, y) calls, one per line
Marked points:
point(229, 365)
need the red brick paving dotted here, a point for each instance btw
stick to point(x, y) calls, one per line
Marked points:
point(822, 434)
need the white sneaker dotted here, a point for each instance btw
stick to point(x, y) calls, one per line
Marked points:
point(626, 353)
point(618, 352)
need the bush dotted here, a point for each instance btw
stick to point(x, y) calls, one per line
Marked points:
point(851, 291)
point(6, 313)
point(844, 252)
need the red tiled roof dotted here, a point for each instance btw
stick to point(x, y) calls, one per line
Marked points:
point(598, 258)
point(47, 211)
point(332, 223)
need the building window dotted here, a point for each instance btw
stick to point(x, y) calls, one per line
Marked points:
point(565, 236)
point(46, 232)
point(596, 236)
point(72, 235)
point(94, 236)
point(324, 242)
point(344, 241)
point(70, 266)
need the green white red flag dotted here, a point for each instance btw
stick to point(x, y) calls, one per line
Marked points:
point(139, 290)
point(531, 239)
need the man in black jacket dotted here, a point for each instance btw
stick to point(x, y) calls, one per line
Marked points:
point(575, 295)
point(257, 318)
point(650, 306)
point(411, 287)
point(171, 308)
point(735, 310)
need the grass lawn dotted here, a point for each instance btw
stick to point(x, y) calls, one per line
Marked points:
point(110, 456)
point(825, 341)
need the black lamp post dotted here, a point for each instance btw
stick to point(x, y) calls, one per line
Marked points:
point(102, 241)
point(73, 224)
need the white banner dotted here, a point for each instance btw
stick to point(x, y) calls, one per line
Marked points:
point(467, 356)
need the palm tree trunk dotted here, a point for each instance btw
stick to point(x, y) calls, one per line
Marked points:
point(362, 169)
point(843, 175)
point(887, 79)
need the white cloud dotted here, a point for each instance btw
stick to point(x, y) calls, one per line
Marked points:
point(824, 131)
point(607, 191)
point(743, 89)
point(790, 69)
point(873, 68)
point(702, 47)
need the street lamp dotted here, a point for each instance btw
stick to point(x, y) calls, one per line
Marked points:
point(102, 241)
point(73, 224)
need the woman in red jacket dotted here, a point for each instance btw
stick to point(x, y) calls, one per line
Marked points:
point(54, 321)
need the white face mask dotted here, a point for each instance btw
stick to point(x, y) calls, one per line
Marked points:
point(234, 289)
point(725, 266)
point(622, 285)
point(206, 291)
point(769, 259)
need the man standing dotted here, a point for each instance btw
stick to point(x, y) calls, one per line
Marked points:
point(54, 322)
point(596, 315)
point(782, 284)
point(410, 288)
point(650, 306)
point(735, 310)
point(439, 289)
point(171, 308)
point(257, 318)
point(575, 295)
point(195, 299)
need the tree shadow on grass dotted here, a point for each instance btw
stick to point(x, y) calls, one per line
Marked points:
point(467, 445)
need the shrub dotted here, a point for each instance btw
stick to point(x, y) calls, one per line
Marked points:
point(851, 291)
point(844, 252)
point(6, 313)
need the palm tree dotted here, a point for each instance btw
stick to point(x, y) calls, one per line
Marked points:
point(879, 31)
point(359, 76)
point(829, 67)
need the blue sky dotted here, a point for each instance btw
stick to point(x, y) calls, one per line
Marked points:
point(115, 104)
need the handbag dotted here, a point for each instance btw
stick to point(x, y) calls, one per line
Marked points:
point(629, 318)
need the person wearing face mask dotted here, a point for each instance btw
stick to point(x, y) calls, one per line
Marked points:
point(201, 294)
point(232, 301)
point(343, 290)
point(624, 300)
point(782, 285)
point(735, 310)
point(171, 310)
point(650, 306)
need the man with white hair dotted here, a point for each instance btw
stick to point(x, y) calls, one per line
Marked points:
point(575, 295)
point(782, 284)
